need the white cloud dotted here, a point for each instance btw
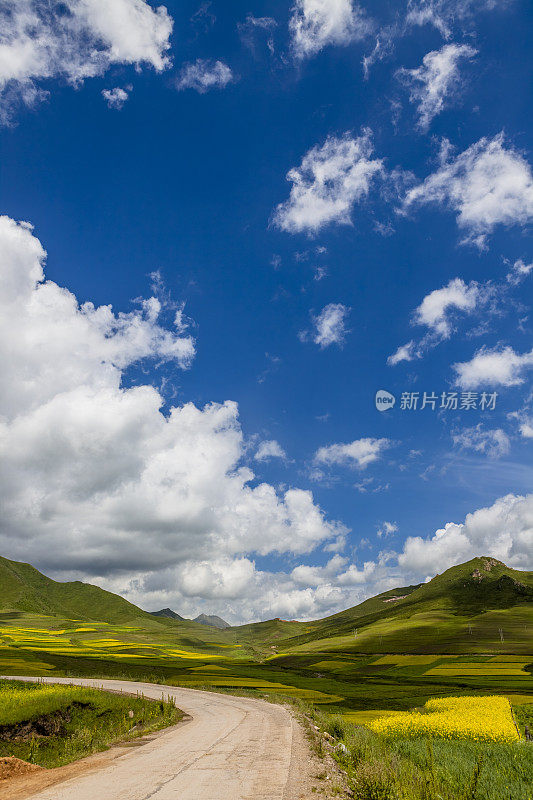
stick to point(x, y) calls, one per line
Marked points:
point(98, 484)
point(383, 48)
point(314, 24)
point(252, 26)
point(503, 531)
point(493, 443)
point(269, 449)
point(215, 579)
point(75, 40)
point(435, 80)
point(519, 272)
point(330, 180)
point(359, 453)
point(444, 15)
point(337, 572)
point(329, 326)
point(436, 313)
point(406, 352)
point(486, 185)
point(96, 481)
point(433, 312)
point(500, 366)
point(526, 428)
point(356, 577)
point(115, 98)
point(523, 420)
point(205, 74)
point(387, 529)
point(317, 576)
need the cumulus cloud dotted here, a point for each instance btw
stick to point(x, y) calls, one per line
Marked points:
point(434, 310)
point(269, 449)
point(359, 453)
point(503, 531)
point(205, 74)
point(329, 326)
point(493, 443)
point(314, 24)
point(75, 40)
point(501, 366)
point(331, 179)
point(96, 481)
point(487, 185)
point(437, 313)
point(115, 98)
point(304, 575)
point(432, 84)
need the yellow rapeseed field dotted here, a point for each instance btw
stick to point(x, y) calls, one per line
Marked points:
point(482, 719)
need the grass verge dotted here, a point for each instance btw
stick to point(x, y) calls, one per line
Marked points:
point(52, 725)
point(380, 768)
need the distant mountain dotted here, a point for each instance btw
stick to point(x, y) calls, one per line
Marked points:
point(168, 614)
point(213, 621)
point(24, 588)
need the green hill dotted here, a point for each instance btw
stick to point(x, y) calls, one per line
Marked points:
point(23, 588)
point(478, 607)
point(469, 608)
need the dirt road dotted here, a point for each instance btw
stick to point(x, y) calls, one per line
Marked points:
point(233, 748)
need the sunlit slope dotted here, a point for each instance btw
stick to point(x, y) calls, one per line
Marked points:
point(479, 606)
point(24, 588)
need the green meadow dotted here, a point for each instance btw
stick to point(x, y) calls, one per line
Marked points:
point(344, 682)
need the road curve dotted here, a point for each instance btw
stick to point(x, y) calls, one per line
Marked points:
point(233, 748)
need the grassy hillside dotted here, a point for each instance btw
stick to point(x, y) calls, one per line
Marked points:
point(23, 588)
point(480, 606)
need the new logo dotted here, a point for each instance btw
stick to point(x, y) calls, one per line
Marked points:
point(384, 400)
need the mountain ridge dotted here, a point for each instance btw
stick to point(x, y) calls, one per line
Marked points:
point(481, 589)
point(212, 620)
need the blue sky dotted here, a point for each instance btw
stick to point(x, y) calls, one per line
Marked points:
point(305, 190)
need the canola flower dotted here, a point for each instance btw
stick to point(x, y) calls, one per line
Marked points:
point(481, 719)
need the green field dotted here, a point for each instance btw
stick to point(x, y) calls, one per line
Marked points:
point(39, 645)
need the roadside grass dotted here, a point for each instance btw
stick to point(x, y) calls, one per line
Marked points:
point(54, 725)
point(380, 768)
